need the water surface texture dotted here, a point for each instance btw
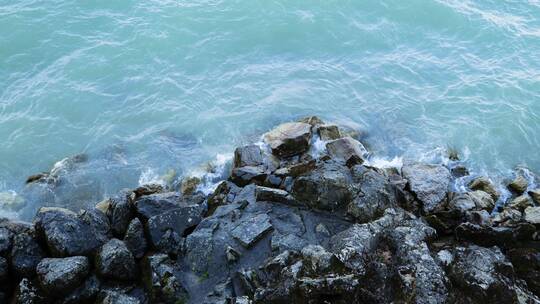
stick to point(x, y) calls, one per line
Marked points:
point(145, 87)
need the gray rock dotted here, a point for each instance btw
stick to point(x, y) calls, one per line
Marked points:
point(117, 297)
point(159, 275)
point(66, 234)
point(120, 213)
point(249, 174)
point(248, 156)
point(316, 260)
point(4, 270)
point(283, 242)
point(484, 274)
point(312, 120)
point(86, 293)
point(178, 220)
point(62, 275)
point(328, 187)
point(135, 240)
point(115, 261)
point(289, 139)
point(429, 183)
point(251, 230)
point(5, 240)
point(484, 184)
point(532, 215)
point(521, 202)
point(519, 184)
point(25, 254)
point(155, 204)
point(535, 194)
point(329, 132)
point(475, 200)
point(348, 150)
point(273, 195)
point(27, 292)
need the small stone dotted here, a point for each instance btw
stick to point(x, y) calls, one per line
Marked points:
point(519, 184)
point(189, 185)
point(27, 292)
point(312, 120)
point(329, 132)
point(289, 139)
point(62, 275)
point(251, 230)
point(232, 254)
point(348, 150)
point(521, 202)
point(532, 215)
point(115, 261)
point(322, 230)
point(484, 184)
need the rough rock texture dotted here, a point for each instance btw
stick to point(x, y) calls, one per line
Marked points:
point(429, 183)
point(289, 139)
point(519, 184)
point(62, 275)
point(346, 149)
point(115, 261)
point(134, 239)
point(484, 184)
point(248, 156)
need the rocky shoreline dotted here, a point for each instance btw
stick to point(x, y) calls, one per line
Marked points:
point(288, 226)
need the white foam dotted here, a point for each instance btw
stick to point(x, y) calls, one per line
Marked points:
point(214, 174)
point(149, 176)
point(384, 163)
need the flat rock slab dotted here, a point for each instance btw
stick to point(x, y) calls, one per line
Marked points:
point(289, 139)
point(252, 230)
point(428, 182)
point(177, 220)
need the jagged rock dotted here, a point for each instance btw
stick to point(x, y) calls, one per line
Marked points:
point(317, 260)
point(532, 215)
point(535, 194)
point(248, 156)
point(117, 297)
point(328, 187)
point(224, 194)
point(376, 194)
point(519, 184)
point(115, 261)
point(490, 236)
point(159, 275)
point(251, 230)
point(147, 190)
point(28, 292)
point(134, 239)
point(484, 184)
point(189, 185)
point(312, 120)
point(86, 293)
point(289, 139)
point(273, 195)
point(170, 243)
point(329, 132)
point(459, 171)
point(346, 149)
point(66, 234)
point(429, 183)
point(223, 293)
point(62, 275)
point(282, 242)
point(508, 216)
point(178, 220)
point(155, 204)
point(475, 200)
point(297, 169)
point(249, 174)
point(120, 213)
point(25, 254)
point(483, 274)
point(521, 202)
point(199, 248)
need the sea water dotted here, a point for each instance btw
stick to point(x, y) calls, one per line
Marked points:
point(156, 88)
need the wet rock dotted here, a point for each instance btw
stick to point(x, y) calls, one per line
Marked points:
point(170, 243)
point(484, 274)
point(62, 275)
point(155, 204)
point(375, 194)
point(312, 120)
point(134, 239)
point(115, 261)
point(28, 292)
point(328, 187)
point(297, 169)
point(521, 202)
point(508, 216)
point(37, 177)
point(199, 249)
point(346, 149)
point(283, 242)
point(66, 234)
point(159, 275)
point(329, 132)
point(120, 213)
point(429, 183)
point(484, 184)
point(490, 236)
point(475, 200)
point(246, 175)
point(222, 293)
point(459, 171)
point(519, 184)
point(532, 215)
point(251, 230)
point(248, 156)
point(189, 185)
point(178, 220)
point(86, 293)
point(147, 190)
point(273, 195)
point(224, 194)
point(535, 194)
point(289, 139)
point(25, 254)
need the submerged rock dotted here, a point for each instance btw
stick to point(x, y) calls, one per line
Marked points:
point(289, 139)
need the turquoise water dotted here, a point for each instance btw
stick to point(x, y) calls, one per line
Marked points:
point(143, 87)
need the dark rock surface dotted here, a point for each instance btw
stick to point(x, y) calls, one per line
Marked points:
point(289, 225)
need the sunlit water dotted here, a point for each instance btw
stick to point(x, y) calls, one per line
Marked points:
point(145, 87)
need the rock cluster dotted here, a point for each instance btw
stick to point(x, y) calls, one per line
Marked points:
point(286, 227)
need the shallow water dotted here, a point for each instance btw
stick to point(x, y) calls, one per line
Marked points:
point(144, 87)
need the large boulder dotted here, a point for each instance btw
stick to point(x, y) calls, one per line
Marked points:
point(248, 156)
point(67, 234)
point(62, 275)
point(519, 184)
point(289, 139)
point(115, 261)
point(135, 239)
point(484, 184)
point(158, 203)
point(429, 183)
point(328, 187)
point(25, 254)
point(176, 221)
point(346, 149)
point(121, 212)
